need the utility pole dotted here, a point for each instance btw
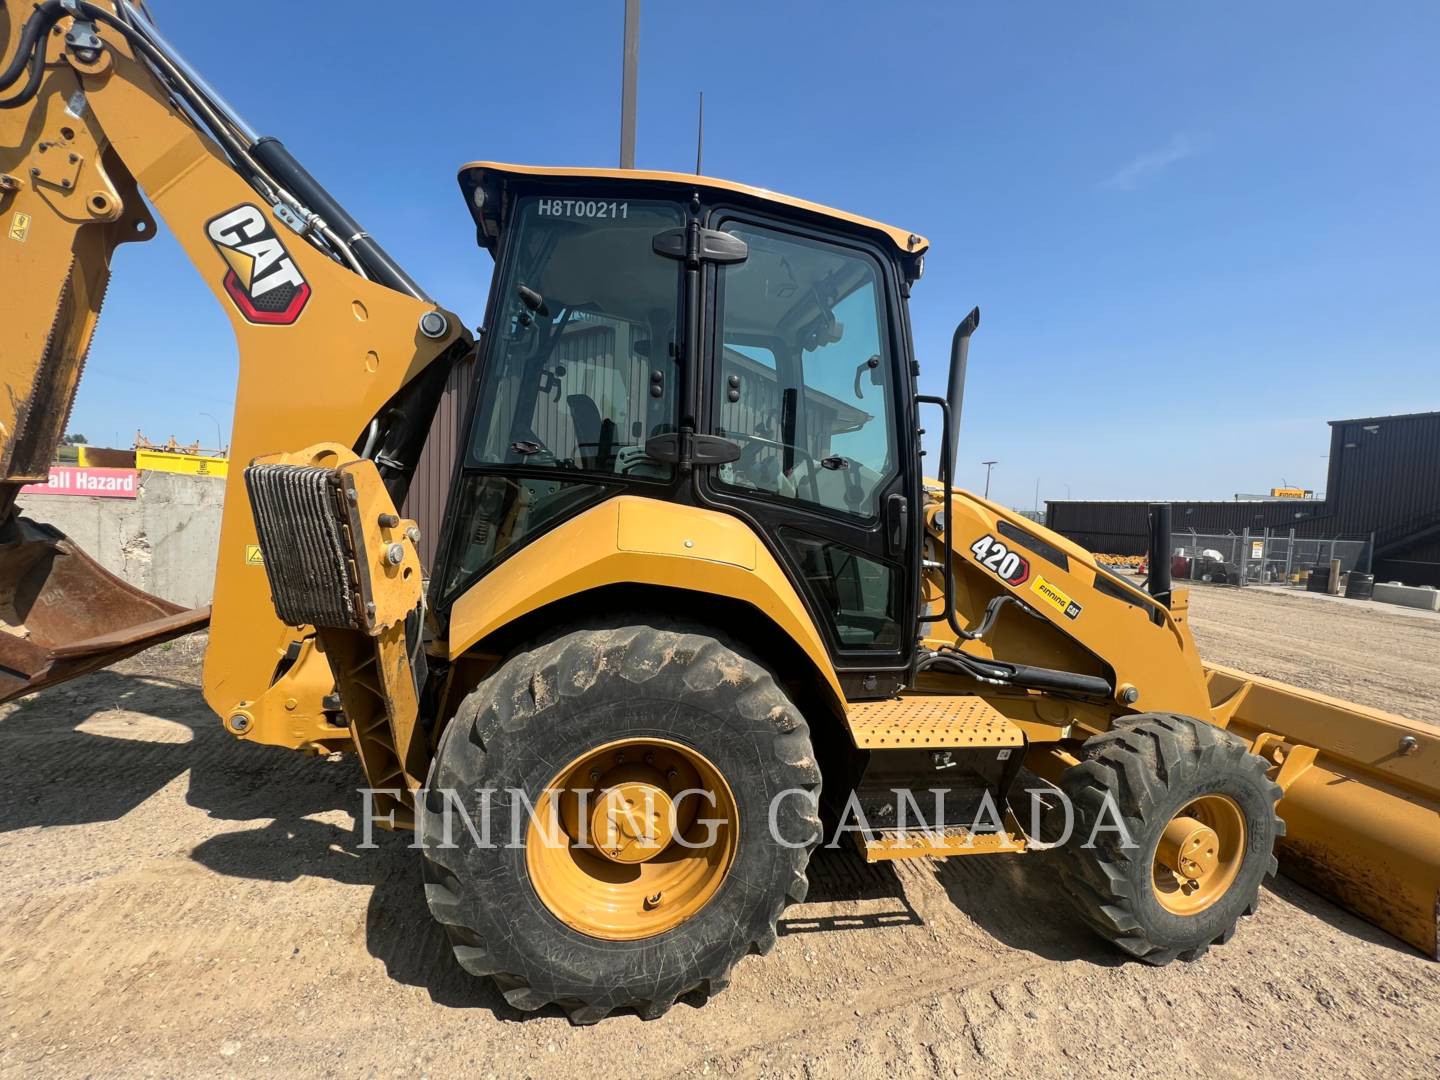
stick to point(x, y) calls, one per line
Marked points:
point(988, 466)
point(628, 76)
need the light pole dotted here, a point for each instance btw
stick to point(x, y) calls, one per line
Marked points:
point(988, 466)
point(629, 63)
point(219, 432)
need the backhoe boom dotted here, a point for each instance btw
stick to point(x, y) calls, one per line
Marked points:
point(336, 342)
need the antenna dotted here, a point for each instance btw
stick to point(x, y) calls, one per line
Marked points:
point(700, 134)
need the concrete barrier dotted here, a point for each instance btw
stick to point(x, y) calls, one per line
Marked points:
point(1408, 595)
point(163, 541)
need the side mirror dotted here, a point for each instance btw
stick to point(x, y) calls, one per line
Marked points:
point(955, 388)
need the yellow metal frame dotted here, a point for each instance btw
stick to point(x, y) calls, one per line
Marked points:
point(1362, 789)
point(321, 379)
point(1362, 797)
point(904, 240)
point(1158, 669)
point(188, 464)
point(629, 540)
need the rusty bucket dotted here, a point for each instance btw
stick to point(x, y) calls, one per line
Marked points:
point(63, 614)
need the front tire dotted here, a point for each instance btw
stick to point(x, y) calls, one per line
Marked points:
point(1200, 810)
point(630, 713)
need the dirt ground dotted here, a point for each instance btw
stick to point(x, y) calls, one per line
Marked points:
point(174, 902)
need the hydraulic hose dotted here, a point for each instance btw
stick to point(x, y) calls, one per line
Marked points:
point(1025, 676)
point(31, 49)
point(32, 84)
point(30, 52)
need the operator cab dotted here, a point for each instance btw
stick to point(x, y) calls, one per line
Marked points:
point(695, 340)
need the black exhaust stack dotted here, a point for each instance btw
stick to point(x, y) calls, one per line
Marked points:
point(955, 390)
point(1159, 581)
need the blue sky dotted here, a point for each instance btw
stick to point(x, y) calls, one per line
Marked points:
point(1196, 232)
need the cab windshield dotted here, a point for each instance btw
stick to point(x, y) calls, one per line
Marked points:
point(581, 369)
point(585, 366)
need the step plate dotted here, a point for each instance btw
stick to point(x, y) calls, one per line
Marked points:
point(889, 845)
point(931, 721)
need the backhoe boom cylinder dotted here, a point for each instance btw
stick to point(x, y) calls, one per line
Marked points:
point(272, 154)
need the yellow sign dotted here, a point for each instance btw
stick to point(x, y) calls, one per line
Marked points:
point(1056, 597)
point(20, 226)
point(253, 556)
point(189, 464)
point(1290, 493)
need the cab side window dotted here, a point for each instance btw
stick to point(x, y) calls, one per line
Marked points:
point(803, 381)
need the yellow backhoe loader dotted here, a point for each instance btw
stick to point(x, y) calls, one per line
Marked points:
point(694, 591)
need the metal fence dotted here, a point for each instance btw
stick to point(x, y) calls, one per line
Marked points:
point(1265, 557)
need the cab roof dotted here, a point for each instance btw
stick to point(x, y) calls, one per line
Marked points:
point(477, 173)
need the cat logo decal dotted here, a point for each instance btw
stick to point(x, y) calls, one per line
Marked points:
point(261, 278)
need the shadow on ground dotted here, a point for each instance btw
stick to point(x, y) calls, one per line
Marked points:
point(54, 773)
point(1017, 899)
point(839, 875)
point(1341, 920)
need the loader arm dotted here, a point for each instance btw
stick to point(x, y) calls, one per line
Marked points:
point(1361, 787)
point(336, 344)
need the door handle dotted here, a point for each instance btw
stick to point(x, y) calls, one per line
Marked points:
point(897, 523)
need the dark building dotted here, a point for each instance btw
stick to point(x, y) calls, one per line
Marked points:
point(1384, 480)
point(430, 486)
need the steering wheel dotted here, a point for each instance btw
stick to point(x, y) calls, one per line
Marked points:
point(761, 440)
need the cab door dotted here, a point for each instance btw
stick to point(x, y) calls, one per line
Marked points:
point(804, 376)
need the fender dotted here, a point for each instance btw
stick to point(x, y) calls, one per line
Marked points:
point(630, 540)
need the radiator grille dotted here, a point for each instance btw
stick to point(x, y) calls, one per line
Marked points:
point(303, 543)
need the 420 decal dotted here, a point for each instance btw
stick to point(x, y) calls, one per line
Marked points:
point(995, 555)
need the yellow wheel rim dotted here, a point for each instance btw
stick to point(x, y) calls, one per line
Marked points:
point(1199, 854)
point(631, 839)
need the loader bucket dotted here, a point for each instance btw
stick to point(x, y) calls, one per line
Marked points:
point(1362, 798)
point(63, 614)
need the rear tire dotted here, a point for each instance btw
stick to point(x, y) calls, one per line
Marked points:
point(1153, 769)
point(568, 698)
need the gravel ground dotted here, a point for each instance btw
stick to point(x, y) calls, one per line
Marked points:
point(174, 902)
point(1377, 654)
